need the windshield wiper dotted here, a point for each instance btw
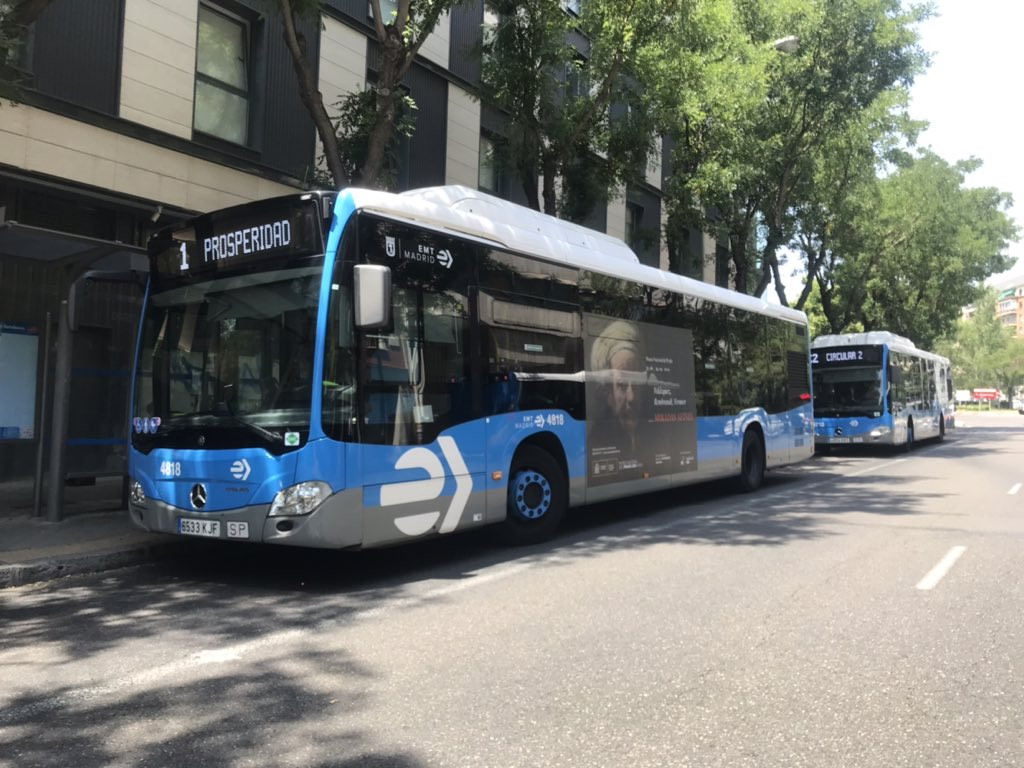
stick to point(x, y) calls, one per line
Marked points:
point(266, 434)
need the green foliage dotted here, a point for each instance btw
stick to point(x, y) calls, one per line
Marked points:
point(16, 16)
point(355, 116)
point(751, 136)
point(584, 120)
point(916, 250)
point(359, 142)
point(983, 351)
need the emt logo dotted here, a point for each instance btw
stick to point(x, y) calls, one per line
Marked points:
point(425, 490)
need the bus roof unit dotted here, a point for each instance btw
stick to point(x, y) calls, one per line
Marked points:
point(894, 341)
point(468, 212)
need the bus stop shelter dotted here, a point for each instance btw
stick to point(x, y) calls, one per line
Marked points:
point(69, 308)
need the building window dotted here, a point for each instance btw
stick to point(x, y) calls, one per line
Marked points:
point(388, 10)
point(575, 7)
point(634, 222)
point(222, 76)
point(577, 79)
point(489, 175)
point(490, 25)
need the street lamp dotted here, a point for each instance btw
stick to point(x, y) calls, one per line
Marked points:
point(788, 44)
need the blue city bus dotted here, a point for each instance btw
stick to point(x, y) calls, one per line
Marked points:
point(879, 388)
point(358, 369)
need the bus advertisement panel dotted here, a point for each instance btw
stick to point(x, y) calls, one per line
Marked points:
point(640, 403)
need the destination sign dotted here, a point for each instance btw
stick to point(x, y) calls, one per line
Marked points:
point(247, 241)
point(237, 239)
point(846, 356)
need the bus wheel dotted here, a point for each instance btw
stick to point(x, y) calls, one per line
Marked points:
point(537, 497)
point(752, 461)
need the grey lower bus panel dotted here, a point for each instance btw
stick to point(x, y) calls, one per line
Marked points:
point(336, 524)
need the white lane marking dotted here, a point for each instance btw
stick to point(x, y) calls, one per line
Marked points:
point(1013, 489)
point(935, 575)
point(870, 467)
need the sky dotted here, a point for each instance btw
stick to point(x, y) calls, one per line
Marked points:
point(970, 98)
point(970, 95)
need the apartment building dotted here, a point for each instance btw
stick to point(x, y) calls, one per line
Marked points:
point(136, 113)
point(1009, 302)
point(1010, 307)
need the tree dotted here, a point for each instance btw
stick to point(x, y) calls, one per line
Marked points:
point(557, 78)
point(711, 87)
point(840, 207)
point(983, 351)
point(752, 147)
point(16, 16)
point(357, 142)
point(928, 244)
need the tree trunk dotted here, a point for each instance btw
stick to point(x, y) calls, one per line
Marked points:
point(549, 166)
point(388, 80)
point(738, 251)
point(770, 269)
point(310, 94)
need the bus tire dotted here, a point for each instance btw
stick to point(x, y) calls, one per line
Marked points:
point(537, 497)
point(752, 461)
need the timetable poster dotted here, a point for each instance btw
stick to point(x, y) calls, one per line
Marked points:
point(19, 353)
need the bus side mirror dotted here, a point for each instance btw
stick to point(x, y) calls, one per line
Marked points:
point(372, 296)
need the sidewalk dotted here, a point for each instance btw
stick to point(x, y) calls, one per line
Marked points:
point(94, 535)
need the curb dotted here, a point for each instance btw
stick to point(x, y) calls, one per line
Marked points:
point(48, 569)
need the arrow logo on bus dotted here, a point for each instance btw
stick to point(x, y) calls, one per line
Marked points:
point(425, 490)
point(445, 257)
point(240, 470)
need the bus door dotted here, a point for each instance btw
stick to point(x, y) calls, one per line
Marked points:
point(422, 457)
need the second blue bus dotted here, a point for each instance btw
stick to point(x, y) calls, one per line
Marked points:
point(878, 388)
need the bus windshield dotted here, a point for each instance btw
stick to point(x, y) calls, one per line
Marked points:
point(850, 391)
point(228, 362)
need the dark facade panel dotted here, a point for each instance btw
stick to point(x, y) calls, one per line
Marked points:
point(648, 250)
point(428, 146)
point(597, 219)
point(354, 9)
point(76, 52)
point(421, 158)
point(463, 52)
point(668, 147)
point(289, 135)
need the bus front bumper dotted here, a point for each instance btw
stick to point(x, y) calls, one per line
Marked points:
point(876, 435)
point(335, 524)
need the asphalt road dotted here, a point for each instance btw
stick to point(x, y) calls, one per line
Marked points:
point(862, 609)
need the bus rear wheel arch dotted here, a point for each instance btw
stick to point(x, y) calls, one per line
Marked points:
point(752, 459)
point(538, 496)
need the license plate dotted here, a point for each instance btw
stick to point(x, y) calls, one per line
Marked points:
point(192, 527)
point(839, 440)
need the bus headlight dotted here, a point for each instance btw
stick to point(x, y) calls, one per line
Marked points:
point(878, 432)
point(136, 495)
point(300, 499)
